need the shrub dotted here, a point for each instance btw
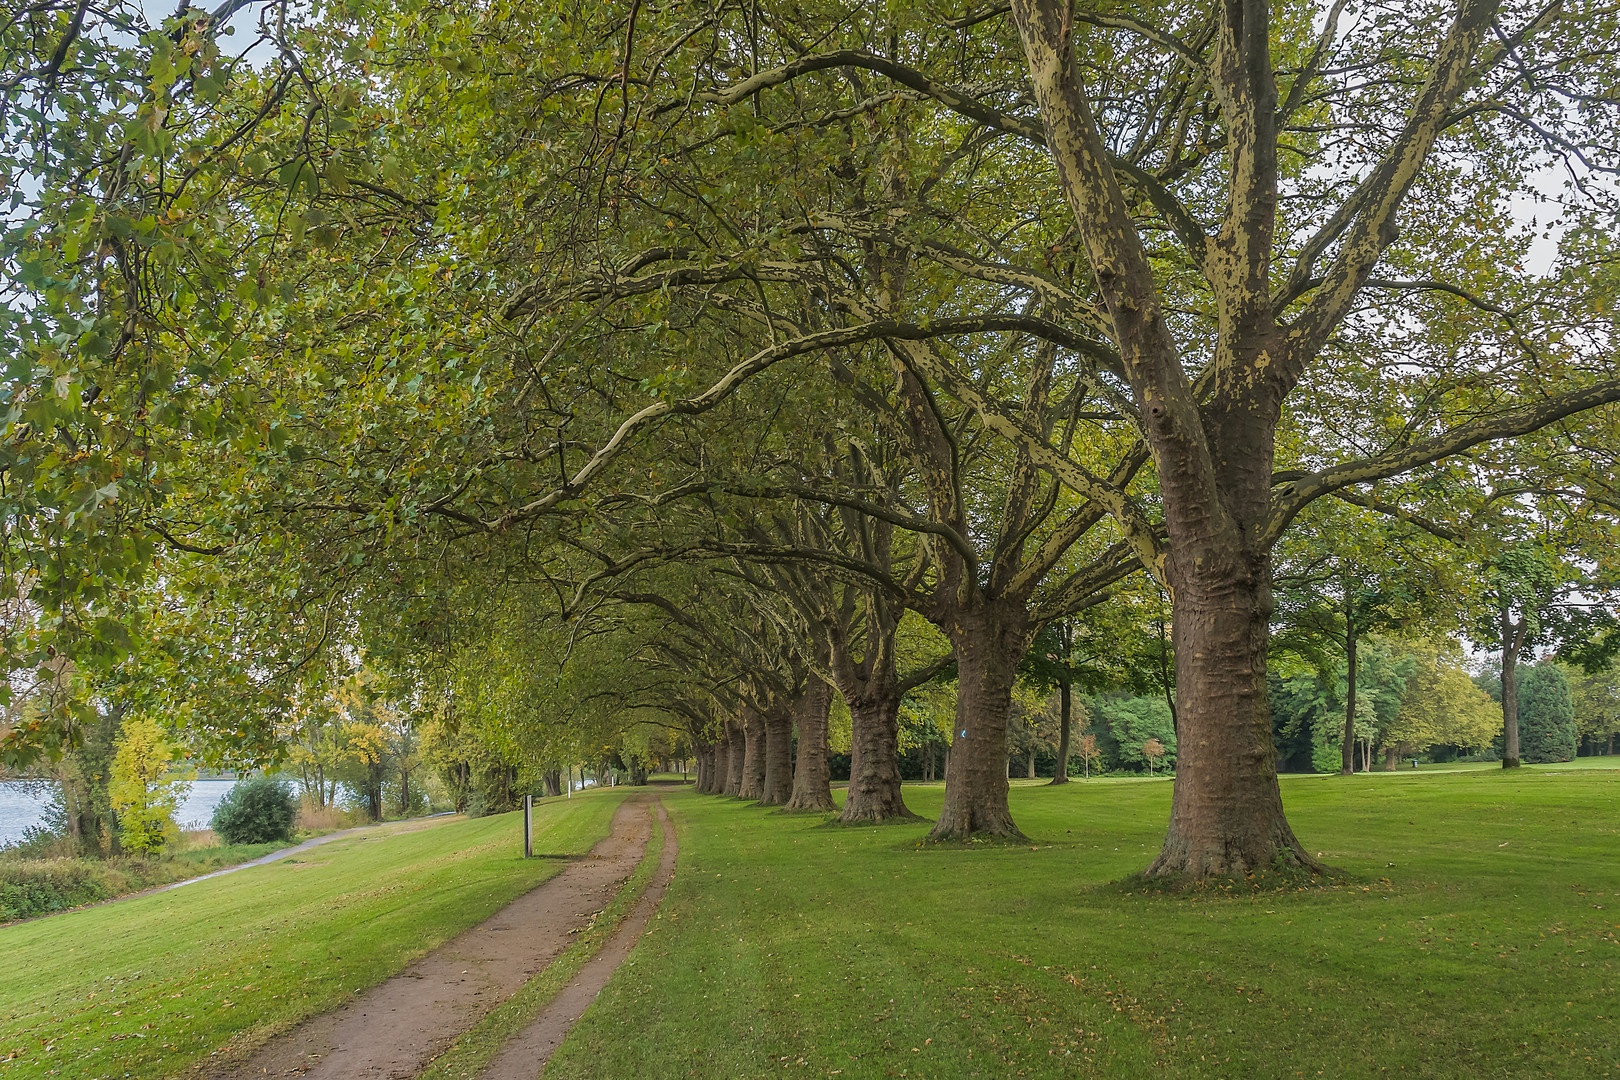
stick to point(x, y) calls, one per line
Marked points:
point(256, 811)
point(34, 887)
point(1546, 715)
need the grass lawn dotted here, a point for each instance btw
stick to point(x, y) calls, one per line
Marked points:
point(1476, 938)
point(151, 986)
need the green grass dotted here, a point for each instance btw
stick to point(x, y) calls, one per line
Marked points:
point(152, 986)
point(473, 1051)
point(1475, 937)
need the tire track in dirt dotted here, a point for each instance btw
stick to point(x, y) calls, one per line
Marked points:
point(524, 1057)
point(394, 1029)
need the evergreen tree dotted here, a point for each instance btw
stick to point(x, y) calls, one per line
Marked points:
point(1546, 715)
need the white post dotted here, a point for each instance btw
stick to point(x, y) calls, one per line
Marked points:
point(528, 826)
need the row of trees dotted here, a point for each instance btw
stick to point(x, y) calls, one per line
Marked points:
point(605, 372)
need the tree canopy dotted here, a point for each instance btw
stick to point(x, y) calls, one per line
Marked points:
point(401, 309)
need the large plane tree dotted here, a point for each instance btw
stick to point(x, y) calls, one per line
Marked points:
point(1230, 225)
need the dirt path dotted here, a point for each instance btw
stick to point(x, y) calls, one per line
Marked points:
point(391, 1031)
point(525, 1056)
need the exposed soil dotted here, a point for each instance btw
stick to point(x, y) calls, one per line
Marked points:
point(525, 1056)
point(392, 1030)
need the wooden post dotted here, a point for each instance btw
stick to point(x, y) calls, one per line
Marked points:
point(528, 826)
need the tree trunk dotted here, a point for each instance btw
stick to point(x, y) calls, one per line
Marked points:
point(722, 763)
point(552, 781)
point(812, 786)
point(1391, 757)
point(1226, 813)
point(1031, 774)
point(778, 785)
point(1348, 750)
point(1060, 775)
point(737, 758)
point(988, 639)
point(753, 772)
point(874, 776)
point(705, 768)
point(1512, 640)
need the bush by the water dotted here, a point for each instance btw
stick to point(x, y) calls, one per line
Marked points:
point(256, 811)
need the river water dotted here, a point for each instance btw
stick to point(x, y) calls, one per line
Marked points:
point(23, 804)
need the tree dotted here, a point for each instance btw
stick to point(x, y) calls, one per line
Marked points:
point(1230, 267)
point(1533, 596)
point(1128, 723)
point(1086, 746)
point(145, 790)
point(1153, 750)
point(1546, 714)
point(1440, 704)
point(1596, 698)
point(1085, 651)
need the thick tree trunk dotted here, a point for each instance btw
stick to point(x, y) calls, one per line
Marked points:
point(737, 739)
point(753, 772)
point(1031, 773)
point(551, 780)
point(989, 643)
point(722, 763)
point(1226, 814)
point(1066, 719)
point(874, 776)
point(1391, 757)
point(1511, 641)
point(778, 785)
point(812, 785)
point(708, 768)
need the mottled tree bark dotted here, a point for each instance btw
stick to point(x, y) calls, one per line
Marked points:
point(753, 770)
point(812, 783)
point(737, 742)
point(778, 786)
point(722, 763)
point(874, 776)
point(1228, 821)
point(989, 640)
